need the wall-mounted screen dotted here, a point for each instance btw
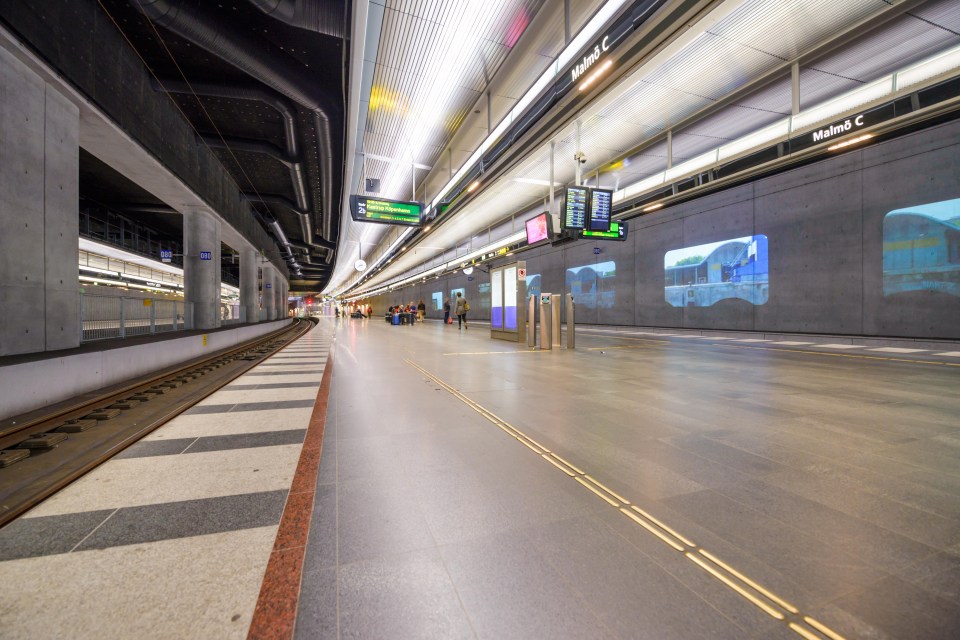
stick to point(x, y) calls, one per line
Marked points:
point(618, 231)
point(601, 206)
point(592, 285)
point(437, 297)
point(364, 209)
point(703, 275)
point(576, 207)
point(539, 228)
point(921, 249)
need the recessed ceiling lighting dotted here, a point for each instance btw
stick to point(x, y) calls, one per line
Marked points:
point(653, 207)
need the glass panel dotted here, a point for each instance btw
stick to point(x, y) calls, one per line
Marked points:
point(496, 299)
point(510, 298)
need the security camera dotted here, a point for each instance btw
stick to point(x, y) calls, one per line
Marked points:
point(580, 157)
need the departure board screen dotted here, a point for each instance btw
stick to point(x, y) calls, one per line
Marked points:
point(364, 209)
point(601, 204)
point(618, 231)
point(576, 208)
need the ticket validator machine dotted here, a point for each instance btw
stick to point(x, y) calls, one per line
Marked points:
point(546, 321)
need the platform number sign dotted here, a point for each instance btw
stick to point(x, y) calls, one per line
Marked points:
point(206, 255)
point(166, 255)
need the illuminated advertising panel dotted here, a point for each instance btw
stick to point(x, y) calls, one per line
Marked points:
point(539, 228)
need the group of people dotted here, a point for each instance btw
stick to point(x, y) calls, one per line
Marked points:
point(411, 313)
point(408, 313)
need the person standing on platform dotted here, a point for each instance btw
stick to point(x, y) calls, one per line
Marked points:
point(446, 311)
point(462, 308)
point(421, 310)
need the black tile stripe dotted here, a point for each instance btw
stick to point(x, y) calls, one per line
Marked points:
point(249, 406)
point(271, 385)
point(49, 535)
point(205, 444)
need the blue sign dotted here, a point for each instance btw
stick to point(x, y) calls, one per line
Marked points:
point(596, 251)
point(166, 255)
point(268, 285)
point(206, 255)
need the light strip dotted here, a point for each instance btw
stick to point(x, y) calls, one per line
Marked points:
point(847, 143)
point(596, 74)
point(589, 30)
point(99, 270)
point(835, 107)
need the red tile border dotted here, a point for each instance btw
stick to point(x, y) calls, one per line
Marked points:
point(276, 612)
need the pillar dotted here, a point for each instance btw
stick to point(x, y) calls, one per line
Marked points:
point(39, 217)
point(201, 277)
point(269, 300)
point(281, 296)
point(249, 299)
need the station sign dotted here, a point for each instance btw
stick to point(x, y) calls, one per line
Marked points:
point(364, 209)
point(206, 255)
point(166, 255)
point(618, 231)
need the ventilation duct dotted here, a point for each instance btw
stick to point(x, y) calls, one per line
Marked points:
point(205, 28)
point(322, 17)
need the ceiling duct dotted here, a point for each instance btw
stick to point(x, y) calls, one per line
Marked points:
point(322, 17)
point(287, 111)
point(205, 28)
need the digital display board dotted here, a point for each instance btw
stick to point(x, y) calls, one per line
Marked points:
point(539, 228)
point(364, 209)
point(576, 208)
point(601, 205)
point(618, 231)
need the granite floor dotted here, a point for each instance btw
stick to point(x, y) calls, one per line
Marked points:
point(171, 538)
point(640, 486)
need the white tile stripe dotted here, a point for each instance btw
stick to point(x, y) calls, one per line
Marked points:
point(949, 354)
point(898, 350)
point(839, 346)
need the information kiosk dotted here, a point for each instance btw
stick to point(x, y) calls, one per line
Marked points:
point(508, 292)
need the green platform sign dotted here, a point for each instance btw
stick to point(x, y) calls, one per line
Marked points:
point(618, 231)
point(364, 209)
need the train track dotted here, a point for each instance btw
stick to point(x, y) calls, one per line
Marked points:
point(42, 452)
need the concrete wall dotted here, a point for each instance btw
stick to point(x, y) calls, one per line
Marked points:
point(79, 40)
point(39, 219)
point(824, 224)
point(31, 385)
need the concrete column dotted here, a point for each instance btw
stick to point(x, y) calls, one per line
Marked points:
point(280, 302)
point(39, 218)
point(249, 302)
point(201, 278)
point(269, 300)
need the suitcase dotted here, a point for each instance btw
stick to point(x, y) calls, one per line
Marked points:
point(396, 319)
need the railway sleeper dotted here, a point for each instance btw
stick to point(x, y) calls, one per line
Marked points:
point(12, 456)
point(41, 441)
point(125, 404)
point(102, 414)
point(75, 426)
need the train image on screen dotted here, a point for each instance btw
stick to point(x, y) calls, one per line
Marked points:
point(921, 249)
point(585, 281)
point(703, 275)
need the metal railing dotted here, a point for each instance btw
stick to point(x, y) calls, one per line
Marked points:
point(105, 317)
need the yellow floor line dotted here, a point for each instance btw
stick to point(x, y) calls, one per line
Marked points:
point(667, 535)
point(733, 585)
point(822, 628)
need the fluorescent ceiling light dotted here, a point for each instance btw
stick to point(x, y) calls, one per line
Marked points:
point(99, 270)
